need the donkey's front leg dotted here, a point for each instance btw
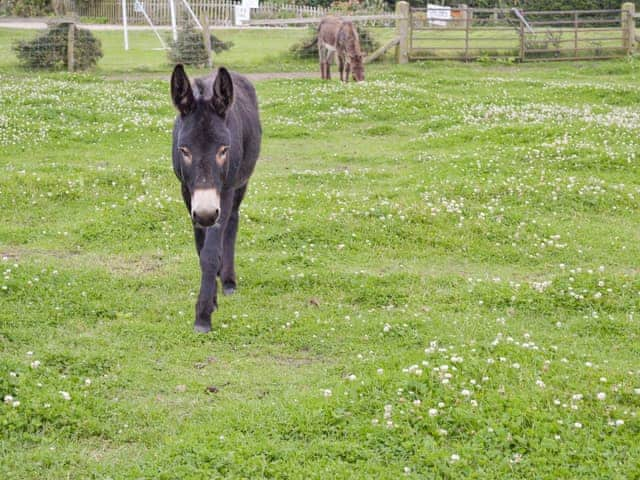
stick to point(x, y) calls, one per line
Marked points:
point(228, 273)
point(210, 264)
point(347, 72)
point(210, 261)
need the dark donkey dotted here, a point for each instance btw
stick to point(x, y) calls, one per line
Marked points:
point(216, 143)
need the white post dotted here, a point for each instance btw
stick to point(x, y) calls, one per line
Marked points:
point(124, 24)
point(172, 8)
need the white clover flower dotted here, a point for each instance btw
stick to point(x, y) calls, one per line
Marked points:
point(417, 402)
point(619, 423)
point(87, 381)
point(465, 393)
point(433, 412)
point(35, 364)
point(407, 470)
point(351, 377)
point(577, 425)
point(380, 371)
point(327, 392)
point(8, 399)
point(455, 457)
point(576, 397)
point(540, 383)
point(601, 396)
point(65, 395)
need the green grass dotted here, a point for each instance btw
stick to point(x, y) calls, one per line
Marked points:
point(250, 53)
point(437, 275)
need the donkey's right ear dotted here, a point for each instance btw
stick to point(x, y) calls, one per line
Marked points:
point(181, 91)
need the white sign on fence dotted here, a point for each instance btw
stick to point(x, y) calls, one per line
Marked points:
point(438, 15)
point(242, 14)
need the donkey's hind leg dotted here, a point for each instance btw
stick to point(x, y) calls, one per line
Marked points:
point(341, 66)
point(330, 59)
point(228, 273)
point(321, 60)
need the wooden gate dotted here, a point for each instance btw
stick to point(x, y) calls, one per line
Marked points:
point(473, 33)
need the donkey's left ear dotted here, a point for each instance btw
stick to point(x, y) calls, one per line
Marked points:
point(222, 92)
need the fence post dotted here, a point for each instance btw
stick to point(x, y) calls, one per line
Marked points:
point(467, 25)
point(70, 46)
point(522, 41)
point(575, 34)
point(628, 27)
point(403, 27)
point(206, 35)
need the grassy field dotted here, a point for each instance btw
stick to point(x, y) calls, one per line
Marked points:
point(438, 278)
point(256, 50)
point(144, 55)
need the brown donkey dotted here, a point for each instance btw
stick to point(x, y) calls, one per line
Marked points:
point(349, 54)
point(336, 35)
point(327, 39)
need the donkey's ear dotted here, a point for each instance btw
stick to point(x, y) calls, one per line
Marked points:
point(222, 92)
point(181, 92)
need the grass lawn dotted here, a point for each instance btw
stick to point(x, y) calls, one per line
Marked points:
point(257, 50)
point(438, 278)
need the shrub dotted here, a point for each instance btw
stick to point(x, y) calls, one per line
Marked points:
point(49, 50)
point(308, 47)
point(189, 48)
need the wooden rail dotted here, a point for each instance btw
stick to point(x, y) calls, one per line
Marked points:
point(470, 33)
point(314, 20)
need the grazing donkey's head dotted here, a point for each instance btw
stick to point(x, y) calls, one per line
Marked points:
point(357, 67)
point(201, 141)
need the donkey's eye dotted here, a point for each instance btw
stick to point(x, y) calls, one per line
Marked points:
point(186, 154)
point(221, 155)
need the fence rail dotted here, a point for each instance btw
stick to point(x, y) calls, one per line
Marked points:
point(470, 33)
point(219, 12)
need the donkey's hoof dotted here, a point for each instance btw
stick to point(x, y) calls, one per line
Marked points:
point(229, 289)
point(201, 328)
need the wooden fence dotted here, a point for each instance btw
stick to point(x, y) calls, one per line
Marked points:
point(471, 33)
point(219, 12)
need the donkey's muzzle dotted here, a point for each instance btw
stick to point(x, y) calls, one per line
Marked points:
point(205, 206)
point(207, 218)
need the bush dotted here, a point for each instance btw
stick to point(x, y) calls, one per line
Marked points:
point(190, 49)
point(27, 8)
point(308, 47)
point(49, 50)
